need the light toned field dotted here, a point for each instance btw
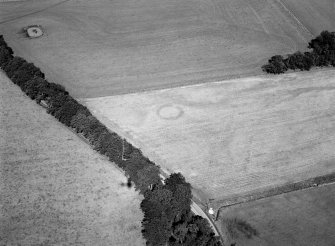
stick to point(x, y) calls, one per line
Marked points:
point(236, 136)
point(55, 190)
point(100, 48)
point(316, 16)
point(301, 218)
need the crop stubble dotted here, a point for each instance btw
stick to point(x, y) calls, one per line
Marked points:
point(236, 136)
point(54, 189)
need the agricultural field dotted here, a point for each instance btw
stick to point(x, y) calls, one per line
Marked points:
point(305, 217)
point(54, 189)
point(143, 68)
point(236, 136)
point(316, 16)
point(102, 48)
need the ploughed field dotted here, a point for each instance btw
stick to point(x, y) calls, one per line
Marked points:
point(100, 48)
point(233, 137)
point(54, 189)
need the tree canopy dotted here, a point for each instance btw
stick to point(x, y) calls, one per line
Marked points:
point(322, 54)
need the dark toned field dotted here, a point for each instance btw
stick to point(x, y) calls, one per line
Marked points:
point(316, 16)
point(100, 48)
point(301, 218)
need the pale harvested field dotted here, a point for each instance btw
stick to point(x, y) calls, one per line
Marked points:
point(55, 190)
point(100, 48)
point(301, 218)
point(316, 16)
point(235, 136)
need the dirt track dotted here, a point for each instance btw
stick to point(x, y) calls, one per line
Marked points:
point(235, 136)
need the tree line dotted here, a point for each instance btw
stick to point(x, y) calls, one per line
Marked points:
point(168, 218)
point(322, 54)
point(166, 207)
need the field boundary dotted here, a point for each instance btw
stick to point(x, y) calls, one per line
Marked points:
point(285, 188)
point(165, 172)
point(144, 173)
point(31, 13)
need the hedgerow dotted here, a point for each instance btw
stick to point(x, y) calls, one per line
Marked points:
point(6, 53)
point(322, 55)
point(5, 56)
point(166, 207)
point(13, 65)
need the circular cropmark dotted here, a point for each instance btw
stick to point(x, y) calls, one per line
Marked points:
point(170, 112)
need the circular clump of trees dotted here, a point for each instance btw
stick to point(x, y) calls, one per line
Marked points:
point(34, 31)
point(321, 54)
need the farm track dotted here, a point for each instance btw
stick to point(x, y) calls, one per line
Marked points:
point(197, 210)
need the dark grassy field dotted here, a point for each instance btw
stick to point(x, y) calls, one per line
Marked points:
point(316, 16)
point(100, 48)
point(305, 217)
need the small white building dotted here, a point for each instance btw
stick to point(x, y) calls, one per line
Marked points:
point(162, 178)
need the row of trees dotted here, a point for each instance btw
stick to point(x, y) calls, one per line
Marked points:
point(166, 207)
point(71, 113)
point(322, 54)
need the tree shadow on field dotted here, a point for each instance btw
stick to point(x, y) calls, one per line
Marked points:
point(236, 228)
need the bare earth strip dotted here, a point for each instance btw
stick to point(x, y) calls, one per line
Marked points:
point(102, 48)
point(305, 217)
point(233, 137)
point(54, 189)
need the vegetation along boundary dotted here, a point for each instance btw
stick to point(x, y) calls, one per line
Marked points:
point(286, 188)
point(322, 54)
point(168, 219)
